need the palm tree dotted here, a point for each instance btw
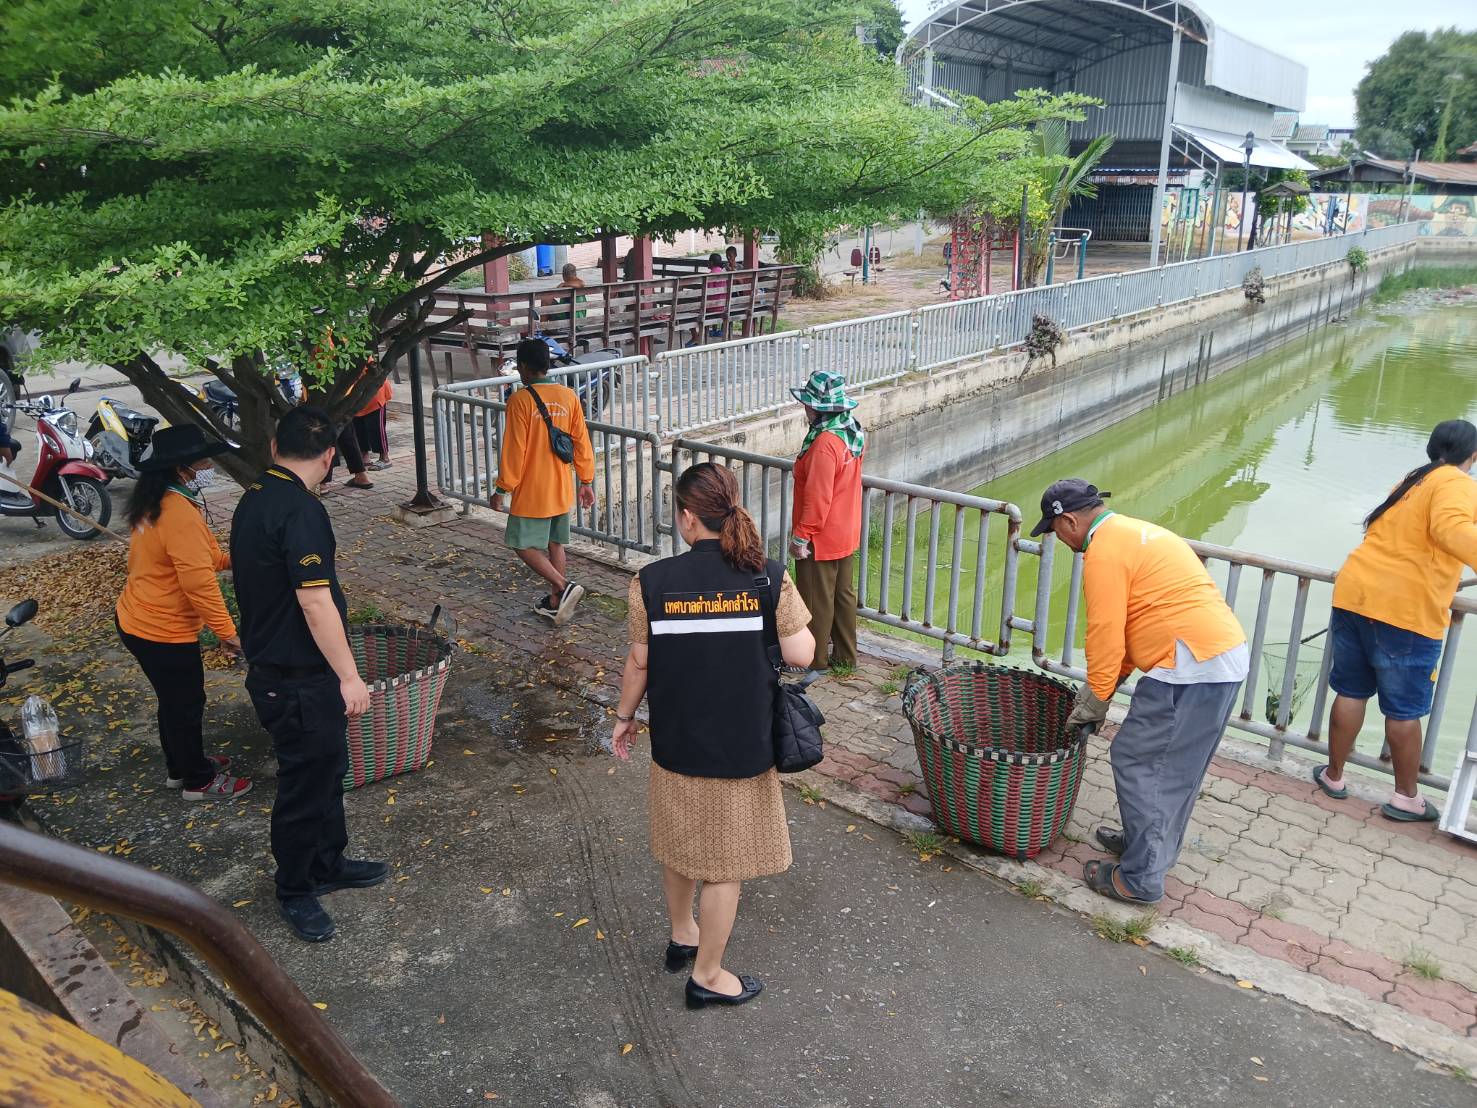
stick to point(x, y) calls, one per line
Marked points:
point(1059, 179)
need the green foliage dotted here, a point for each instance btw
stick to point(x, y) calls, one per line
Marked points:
point(1423, 964)
point(1393, 285)
point(1421, 94)
point(1031, 888)
point(229, 183)
point(1357, 258)
point(1058, 178)
point(1184, 956)
point(367, 613)
point(1135, 929)
point(517, 268)
point(208, 638)
point(810, 794)
point(926, 843)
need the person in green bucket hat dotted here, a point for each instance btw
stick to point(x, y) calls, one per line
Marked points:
point(826, 525)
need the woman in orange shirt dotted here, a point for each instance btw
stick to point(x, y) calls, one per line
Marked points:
point(370, 428)
point(1390, 612)
point(171, 593)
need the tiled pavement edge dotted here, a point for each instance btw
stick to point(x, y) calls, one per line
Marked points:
point(1322, 901)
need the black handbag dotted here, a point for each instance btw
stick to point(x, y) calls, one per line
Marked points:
point(559, 441)
point(797, 719)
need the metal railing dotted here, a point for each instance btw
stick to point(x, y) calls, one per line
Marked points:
point(81, 876)
point(936, 565)
point(695, 387)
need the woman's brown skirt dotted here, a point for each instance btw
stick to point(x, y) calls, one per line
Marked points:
point(719, 829)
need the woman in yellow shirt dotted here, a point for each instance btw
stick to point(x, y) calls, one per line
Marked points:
point(171, 593)
point(1391, 604)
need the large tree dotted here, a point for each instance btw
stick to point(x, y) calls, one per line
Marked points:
point(221, 180)
point(1420, 95)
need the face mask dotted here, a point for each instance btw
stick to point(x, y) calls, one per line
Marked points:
point(201, 479)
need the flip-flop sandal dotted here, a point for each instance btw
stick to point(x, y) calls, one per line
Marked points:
point(1099, 878)
point(1110, 839)
point(1337, 794)
point(352, 485)
point(1429, 814)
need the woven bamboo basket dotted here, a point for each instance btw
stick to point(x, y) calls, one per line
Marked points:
point(405, 669)
point(999, 766)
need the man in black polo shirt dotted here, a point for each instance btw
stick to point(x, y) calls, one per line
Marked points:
point(303, 680)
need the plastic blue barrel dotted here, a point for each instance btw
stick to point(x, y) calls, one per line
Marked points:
point(544, 260)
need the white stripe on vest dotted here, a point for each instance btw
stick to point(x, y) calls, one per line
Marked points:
point(706, 626)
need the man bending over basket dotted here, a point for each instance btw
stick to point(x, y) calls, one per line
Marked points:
point(1151, 606)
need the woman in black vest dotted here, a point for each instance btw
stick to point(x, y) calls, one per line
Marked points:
point(699, 650)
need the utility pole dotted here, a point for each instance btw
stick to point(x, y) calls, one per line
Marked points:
point(1409, 186)
point(1247, 147)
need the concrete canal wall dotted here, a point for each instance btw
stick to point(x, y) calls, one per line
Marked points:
point(965, 425)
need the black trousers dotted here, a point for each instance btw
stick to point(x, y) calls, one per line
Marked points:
point(177, 674)
point(371, 432)
point(305, 717)
point(348, 452)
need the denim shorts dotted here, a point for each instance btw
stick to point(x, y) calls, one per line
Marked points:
point(1372, 657)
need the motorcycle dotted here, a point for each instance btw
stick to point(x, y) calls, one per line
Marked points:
point(221, 398)
point(36, 758)
point(121, 436)
point(64, 472)
point(594, 388)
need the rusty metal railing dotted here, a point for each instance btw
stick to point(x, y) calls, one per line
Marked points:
point(82, 876)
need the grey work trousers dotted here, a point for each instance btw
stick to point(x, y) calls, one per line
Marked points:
point(1160, 755)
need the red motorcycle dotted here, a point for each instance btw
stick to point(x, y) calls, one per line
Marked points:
point(64, 472)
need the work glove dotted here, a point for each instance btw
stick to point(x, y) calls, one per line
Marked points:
point(799, 549)
point(1089, 709)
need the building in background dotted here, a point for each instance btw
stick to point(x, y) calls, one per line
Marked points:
point(1180, 95)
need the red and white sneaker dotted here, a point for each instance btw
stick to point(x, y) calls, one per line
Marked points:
point(221, 762)
point(222, 787)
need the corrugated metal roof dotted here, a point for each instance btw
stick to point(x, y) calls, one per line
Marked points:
point(1283, 125)
point(1227, 149)
point(1311, 132)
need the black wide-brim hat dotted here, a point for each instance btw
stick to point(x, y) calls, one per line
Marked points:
point(179, 446)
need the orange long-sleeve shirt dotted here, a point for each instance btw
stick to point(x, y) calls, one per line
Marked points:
point(172, 590)
point(1146, 590)
point(1406, 570)
point(828, 498)
point(538, 481)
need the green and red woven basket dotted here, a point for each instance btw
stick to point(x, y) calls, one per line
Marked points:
point(999, 765)
point(405, 668)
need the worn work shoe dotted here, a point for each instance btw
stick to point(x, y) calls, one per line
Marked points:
point(222, 787)
point(354, 873)
point(221, 762)
point(307, 918)
point(569, 600)
point(546, 608)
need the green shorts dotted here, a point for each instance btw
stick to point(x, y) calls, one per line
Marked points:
point(529, 533)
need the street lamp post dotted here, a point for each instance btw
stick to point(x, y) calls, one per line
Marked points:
point(1247, 147)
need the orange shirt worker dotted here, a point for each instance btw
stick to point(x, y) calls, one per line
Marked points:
point(1391, 604)
point(171, 593)
point(1151, 606)
point(826, 527)
point(540, 416)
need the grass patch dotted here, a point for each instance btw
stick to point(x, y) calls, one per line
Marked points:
point(1422, 964)
point(1461, 1073)
point(907, 788)
point(889, 688)
point(1424, 277)
point(809, 793)
point(1184, 956)
point(1030, 887)
point(1135, 929)
point(842, 669)
point(367, 613)
point(926, 843)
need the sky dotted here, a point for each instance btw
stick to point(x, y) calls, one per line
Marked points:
point(1335, 41)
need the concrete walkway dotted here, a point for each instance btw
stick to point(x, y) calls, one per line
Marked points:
point(900, 973)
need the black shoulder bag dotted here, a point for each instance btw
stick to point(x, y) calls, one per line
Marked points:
point(797, 719)
point(559, 441)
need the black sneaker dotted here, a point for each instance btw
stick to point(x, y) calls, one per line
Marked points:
point(354, 873)
point(549, 611)
point(569, 600)
point(307, 918)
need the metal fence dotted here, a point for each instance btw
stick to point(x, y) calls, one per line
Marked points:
point(686, 389)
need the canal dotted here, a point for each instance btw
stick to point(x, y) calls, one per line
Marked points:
point(1283, 456)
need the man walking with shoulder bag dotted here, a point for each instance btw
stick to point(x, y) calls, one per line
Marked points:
point(544, 436)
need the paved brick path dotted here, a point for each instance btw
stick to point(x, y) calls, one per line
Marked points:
point(1271, 866)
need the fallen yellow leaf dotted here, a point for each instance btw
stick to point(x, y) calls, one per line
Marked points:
point(507, 892)
point(320, 1005)
point(469, 752)
point(389, 800)
point(850, 827)
point(553, 772)
point(1245, 985)
point(925, 857)
point(484, 888)
point(558, 914)
point(1257, 1060)
point(627, 1048)
point(240, 903)
point(582, 921)
point(599, 935)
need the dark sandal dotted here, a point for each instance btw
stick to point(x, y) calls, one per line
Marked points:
point(1111, 840)
point(1430, 814)
point(354, 485)
point(1099, 878)
point(678, 955)
point(1337, 794)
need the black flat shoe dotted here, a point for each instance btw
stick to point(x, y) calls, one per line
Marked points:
point(354, 873)
point(307, 919)
point(1111, 840)
point(699, 997)
point(678, 955)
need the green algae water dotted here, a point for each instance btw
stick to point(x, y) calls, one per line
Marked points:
point(1283, 456)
